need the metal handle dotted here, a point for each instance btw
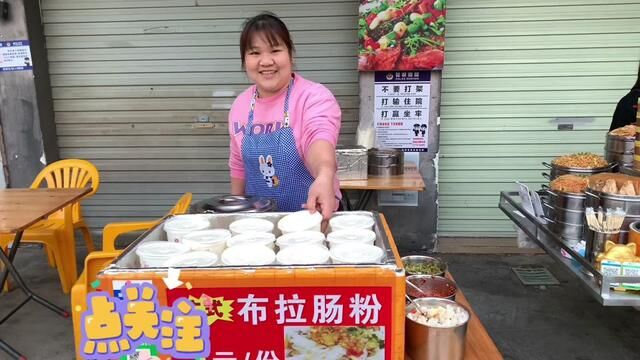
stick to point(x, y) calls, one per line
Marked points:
point(546, 164)
point(546, 176)
point(544, 186)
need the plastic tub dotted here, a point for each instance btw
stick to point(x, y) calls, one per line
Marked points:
point(251, 225)
point(253, 238)
point(193, 259)
point(248, 255)
point(304, 254)
point(340, 222)
point(179, 226)
point(350, 236)
point(300, 221)
point(300, 238)
point(356, 254)
point(213, 240)
point(155, 253)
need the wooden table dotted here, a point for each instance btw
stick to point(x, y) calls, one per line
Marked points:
point(411, 180)
point(19, 209)
point(479, 344)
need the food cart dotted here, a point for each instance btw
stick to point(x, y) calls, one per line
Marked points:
point(282, 311)
point(563, 224)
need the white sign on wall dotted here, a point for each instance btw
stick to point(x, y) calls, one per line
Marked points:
point(401, 116)
point(15, 56)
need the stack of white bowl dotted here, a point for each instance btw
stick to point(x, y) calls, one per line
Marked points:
point(352, 240)
point(301, 242)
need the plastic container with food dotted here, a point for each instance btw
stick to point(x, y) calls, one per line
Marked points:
point(179, 226)
point(300, 221)
point(213, 240)
point(253, 238)
point(431, 286)
point(423, 265)
point(351, 221)
point(248, 255)
point(349, 236)
point(356, 254)
point(304, 254)
point(250, 224)
point(156, 253)
point(193, 259)
point(299, 238)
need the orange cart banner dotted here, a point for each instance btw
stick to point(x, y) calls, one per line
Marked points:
point(295, 322)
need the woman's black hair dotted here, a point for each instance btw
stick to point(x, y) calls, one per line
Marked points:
point(269, 25)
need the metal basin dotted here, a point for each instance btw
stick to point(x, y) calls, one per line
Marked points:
point(619, 144)
point(561, 170)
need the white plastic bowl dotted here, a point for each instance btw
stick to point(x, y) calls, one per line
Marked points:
point(351, 221)
point(213, 240)
point(356, 254)
point(300, 238)
point(248, 255)
point(350, 236)
point(193, 259)
point(155, 253)
point(179, 226)
point(253, 238)
point(303, 255)
point(250, 225)
point(300, 221)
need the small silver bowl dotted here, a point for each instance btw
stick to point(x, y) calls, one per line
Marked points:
point(421, 259)
point(431, 286)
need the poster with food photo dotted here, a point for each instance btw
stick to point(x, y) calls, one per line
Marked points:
point(334, 342)
point(401, 34)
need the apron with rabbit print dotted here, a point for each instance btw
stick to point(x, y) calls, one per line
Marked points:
point(273, 167)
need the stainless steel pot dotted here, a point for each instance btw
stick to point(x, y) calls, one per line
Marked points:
point(561, 170)
point(566, 200)
point(569, 216)
point(619, 144)
point(232, 204)
point(622, 159)
point(385, 162)
point(568, 231)
point(630, 204)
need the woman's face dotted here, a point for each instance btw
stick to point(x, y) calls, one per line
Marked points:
point(269, 67)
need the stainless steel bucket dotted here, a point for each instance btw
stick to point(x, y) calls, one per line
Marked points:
point(619, 144)
point(569, 216)
point(622, 159)
point(568, 231)
point(561, 170)
point(435, 343)
point(565, 200)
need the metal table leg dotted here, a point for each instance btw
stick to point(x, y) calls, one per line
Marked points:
point(364, 200)
point(346, 203)
point(10, 268)
point(11, 351)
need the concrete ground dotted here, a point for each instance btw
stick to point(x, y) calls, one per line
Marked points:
point(527, 323)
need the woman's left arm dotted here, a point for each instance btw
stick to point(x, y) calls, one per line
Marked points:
point(320, 135)
point(322, 165)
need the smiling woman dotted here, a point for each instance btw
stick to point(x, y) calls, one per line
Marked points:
point(292, 158)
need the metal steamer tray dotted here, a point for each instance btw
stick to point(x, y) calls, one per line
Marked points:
point(597, 284)
point(128, 261)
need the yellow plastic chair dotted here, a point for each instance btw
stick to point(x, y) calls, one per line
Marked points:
point(113, 230)
point(93, 263)
point(70, 173)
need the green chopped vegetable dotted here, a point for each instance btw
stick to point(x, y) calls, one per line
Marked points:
point(423, 268)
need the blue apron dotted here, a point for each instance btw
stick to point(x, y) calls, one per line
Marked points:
point(273, 167)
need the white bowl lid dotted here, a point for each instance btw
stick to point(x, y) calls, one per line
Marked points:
point(248, 255)
point(161, 248)
point(351, 236)
point(300, 221)
point(252, 238)
point(209, 236)
point(303, 255)
point(351, 221)
point(186, 223)
point(357, 253)
point(301, 237)
point(192, 259)
point(251, 225)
